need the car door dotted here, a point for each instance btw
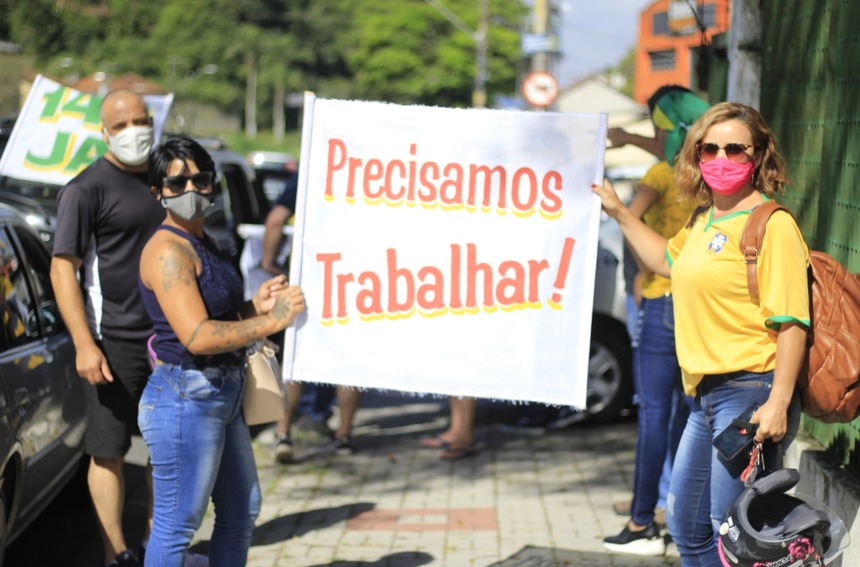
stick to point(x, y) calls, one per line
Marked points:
point(236, 202)
point(44, 396)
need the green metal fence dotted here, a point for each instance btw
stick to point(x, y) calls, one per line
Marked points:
point(811, 99)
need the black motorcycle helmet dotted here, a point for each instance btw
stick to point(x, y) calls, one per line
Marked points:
point(766, 527)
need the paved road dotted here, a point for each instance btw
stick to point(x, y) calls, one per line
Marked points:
point(520, 502)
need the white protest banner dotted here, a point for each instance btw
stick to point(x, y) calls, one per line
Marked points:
point(58, 132)
point(446, 251)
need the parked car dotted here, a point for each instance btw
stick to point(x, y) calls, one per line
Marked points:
point(36, 201)
point(42, 407)
point(6, 125)
point(237, 200)
point(610, 372)
point(271, 171)
point(609, 392)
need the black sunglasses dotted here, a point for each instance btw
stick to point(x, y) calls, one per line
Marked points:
point(734, 151)
point(177, 183)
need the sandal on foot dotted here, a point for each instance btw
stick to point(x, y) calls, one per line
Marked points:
point(457, 453)
point(437, 442)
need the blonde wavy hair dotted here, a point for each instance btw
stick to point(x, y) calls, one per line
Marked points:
point(769, 177)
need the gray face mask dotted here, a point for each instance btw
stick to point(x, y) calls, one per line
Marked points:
point(189, 206)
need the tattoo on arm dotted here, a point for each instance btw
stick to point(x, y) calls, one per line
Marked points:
point(194, 333)
point(282, 308)
point(236, 334)
point(178, 266)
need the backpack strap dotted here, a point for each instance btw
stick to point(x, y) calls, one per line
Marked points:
point(752, 239)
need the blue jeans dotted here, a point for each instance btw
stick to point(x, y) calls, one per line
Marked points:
point(663, 408)
point(703, 485)
point(200, 447)
point(632, 321)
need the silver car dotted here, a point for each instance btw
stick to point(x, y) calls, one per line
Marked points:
point(610, 374)
point(42, 408)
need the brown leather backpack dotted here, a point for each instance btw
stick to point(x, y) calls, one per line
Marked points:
point(829, 382)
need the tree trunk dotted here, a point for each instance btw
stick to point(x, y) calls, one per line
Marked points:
point(251, 96)
point(278, 120)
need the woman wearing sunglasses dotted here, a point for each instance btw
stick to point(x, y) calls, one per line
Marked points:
point(733, 353)
point(191, 409)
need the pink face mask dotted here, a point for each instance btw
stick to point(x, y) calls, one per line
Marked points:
point(724, 176)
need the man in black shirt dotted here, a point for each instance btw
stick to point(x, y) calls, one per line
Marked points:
point(105, 216)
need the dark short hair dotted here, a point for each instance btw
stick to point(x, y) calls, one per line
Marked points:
point(661, 92)
point(178, 148)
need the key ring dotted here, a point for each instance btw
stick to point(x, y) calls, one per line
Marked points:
point(755, 465)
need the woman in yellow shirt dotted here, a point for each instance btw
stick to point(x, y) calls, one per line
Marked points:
point(733, 354)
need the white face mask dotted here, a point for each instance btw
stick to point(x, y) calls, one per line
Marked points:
point(189, 206)
point(131, 146)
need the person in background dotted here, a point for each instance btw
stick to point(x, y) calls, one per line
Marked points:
point(633, 290)
point(282, 211)
point(191, 409)
point(348, 399)
point(348, 402)
point(734, 354)
point(662, 408)
point(104, 217)
point(457, 442)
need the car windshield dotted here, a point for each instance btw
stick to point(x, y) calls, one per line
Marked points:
point(43, 193)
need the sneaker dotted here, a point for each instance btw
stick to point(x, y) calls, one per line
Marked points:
point(646, 542)
point(125, 559)
point(624, 509)
point(566, 417)
point(284, 453)
point(343, 445)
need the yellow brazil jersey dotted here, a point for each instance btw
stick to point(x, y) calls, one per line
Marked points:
point(667, 215)
point(718, 328)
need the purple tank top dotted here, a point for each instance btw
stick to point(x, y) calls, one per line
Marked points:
point(221, 287)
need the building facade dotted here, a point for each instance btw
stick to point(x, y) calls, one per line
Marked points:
point(674, 40)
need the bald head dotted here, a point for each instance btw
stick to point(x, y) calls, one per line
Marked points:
point(123, 108)
point(127, 129)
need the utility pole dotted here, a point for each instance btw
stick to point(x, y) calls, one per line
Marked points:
point(479, 91)
point(540, 61)
point(539, 87)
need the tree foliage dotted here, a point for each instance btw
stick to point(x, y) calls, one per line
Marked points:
point(406, 51)
point(626, 68)
point(391, 50)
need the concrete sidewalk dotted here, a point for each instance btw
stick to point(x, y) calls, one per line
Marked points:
point(520, 501)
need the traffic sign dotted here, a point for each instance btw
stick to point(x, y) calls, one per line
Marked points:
point(532, 43)
point(540, 89)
